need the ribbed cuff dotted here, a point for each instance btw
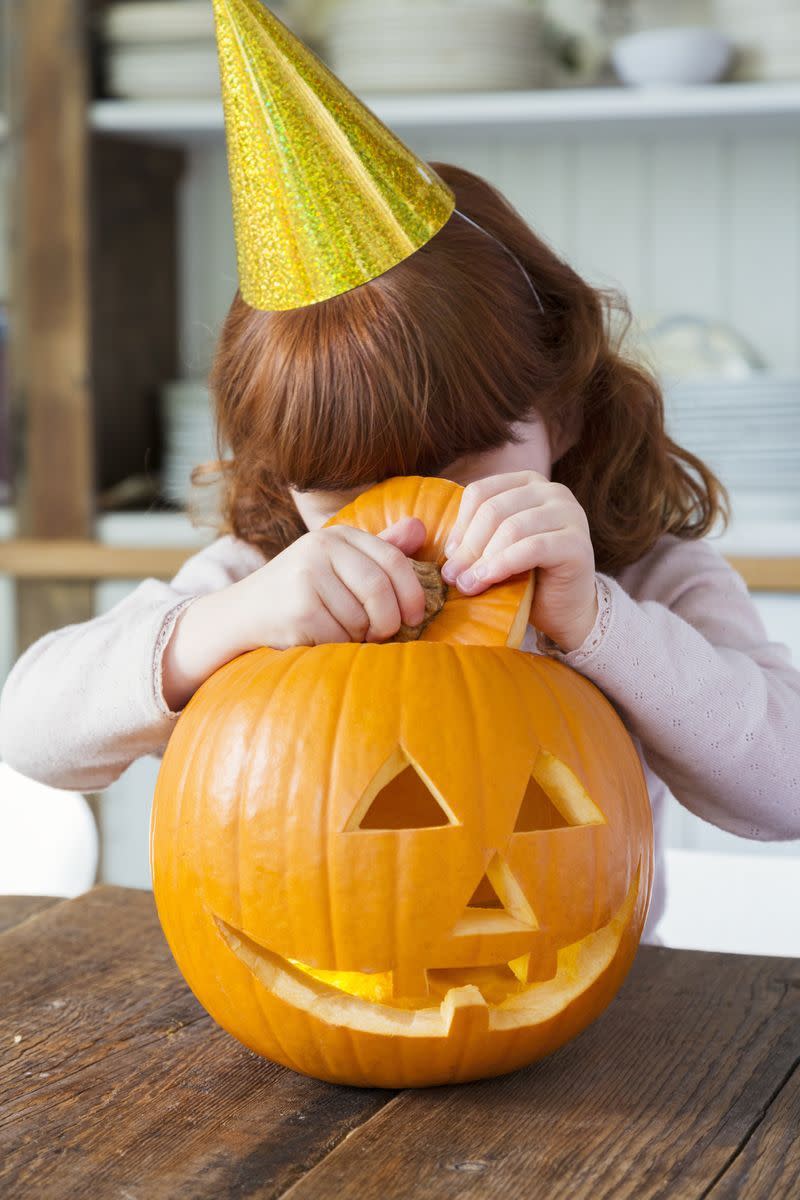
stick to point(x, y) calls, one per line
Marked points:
point(164, 634)
point(594, 639)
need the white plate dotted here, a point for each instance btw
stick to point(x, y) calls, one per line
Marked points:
point(153, 75)
point(159, 21)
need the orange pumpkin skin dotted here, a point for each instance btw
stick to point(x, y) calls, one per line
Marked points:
point(498, 617)
point(323, 932)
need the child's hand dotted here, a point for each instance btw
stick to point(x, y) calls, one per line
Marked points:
point(333, 585)
point(511, 523)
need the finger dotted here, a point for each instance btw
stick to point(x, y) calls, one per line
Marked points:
point(538, 550)
point(492, 514)
point(407, 534)
point(477, 493)
point(521, 525)
point(408, 592)
point(320, 627)
point(372, 587)
point(345, 608)
point(327, 630)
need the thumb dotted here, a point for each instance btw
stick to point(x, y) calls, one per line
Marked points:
point(407, 534)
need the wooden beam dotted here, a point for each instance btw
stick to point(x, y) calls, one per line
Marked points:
point(50, 381)
point(46, 66)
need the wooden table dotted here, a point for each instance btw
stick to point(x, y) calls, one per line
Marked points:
point(114, 1083)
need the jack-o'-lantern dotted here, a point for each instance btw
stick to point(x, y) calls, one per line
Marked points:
point(404, 864)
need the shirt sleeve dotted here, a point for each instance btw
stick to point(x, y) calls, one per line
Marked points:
point(84, 701)
point(715, 704)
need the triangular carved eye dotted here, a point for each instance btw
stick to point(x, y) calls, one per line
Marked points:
point(537, 811)
point(555, 798)
point(400, 797)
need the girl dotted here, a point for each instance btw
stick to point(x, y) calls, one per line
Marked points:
point(445, 364)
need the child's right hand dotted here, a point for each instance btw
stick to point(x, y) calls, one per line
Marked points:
point(334, 585)
point(337, 584)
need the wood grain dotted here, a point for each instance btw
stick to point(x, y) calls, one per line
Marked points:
point(768, 1161)
point(49, 301)
point(16, 909)
point(115, 1083)
point(120, 1085)
point(50, 382)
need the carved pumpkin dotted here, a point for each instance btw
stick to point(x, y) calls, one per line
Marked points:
point(403, 864)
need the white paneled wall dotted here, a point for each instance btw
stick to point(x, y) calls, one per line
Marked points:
point(703, 223)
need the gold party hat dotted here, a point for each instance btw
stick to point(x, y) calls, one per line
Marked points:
point(325, 197)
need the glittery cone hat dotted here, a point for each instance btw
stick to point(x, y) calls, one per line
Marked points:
point(325, 197)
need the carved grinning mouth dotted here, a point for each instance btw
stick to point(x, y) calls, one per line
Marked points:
point(463, 1005)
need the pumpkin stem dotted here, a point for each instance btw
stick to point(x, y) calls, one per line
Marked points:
point(435, 590)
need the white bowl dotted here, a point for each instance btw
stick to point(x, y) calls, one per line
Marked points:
point(672, 56)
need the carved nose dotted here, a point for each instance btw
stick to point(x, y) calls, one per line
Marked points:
point(498, 903)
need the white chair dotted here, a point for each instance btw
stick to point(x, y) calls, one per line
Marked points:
point(48, 839)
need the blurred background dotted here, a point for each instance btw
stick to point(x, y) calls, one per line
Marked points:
point(654, 143)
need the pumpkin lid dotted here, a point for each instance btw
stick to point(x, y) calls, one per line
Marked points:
point(496, 617)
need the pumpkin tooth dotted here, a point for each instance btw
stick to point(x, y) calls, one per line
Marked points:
point(464, 1010)
point(536, 966)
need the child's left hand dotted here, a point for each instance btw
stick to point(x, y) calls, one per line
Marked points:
point(512, 523)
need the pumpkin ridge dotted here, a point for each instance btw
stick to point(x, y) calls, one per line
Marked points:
point(247, 682)
point(255, 991)
point(332, 765)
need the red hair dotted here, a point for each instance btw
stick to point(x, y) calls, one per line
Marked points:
point(436, 359)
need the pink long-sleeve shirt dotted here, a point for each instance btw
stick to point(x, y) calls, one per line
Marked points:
point(678, 647)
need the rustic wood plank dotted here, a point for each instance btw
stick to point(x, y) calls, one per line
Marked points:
point(116, 1083)
point(16, 909)
point(768, 1162)
point(651, 1101)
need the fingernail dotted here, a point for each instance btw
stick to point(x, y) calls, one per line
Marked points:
point(451, 546)
point(468, 579)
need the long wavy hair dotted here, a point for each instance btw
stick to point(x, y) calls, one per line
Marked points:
point(439, 358)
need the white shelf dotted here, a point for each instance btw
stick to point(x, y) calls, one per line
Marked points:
point(562, 108)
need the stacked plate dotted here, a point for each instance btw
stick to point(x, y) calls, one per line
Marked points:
point(162, 49)
point(188, 429)
point(435, 45)
point(748, 432)
point(766, 34)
